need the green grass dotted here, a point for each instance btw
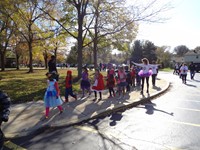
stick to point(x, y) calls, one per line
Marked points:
point(23, 87)
point(166, 69)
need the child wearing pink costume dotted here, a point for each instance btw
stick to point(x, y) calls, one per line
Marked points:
point(52, 95)
point(122, 80)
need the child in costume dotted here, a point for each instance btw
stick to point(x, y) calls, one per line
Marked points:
point(122, 80)
point(52, 95)
point(85, 83)
point(111, 80)
point(145, 72)
point(111, 85)
point(133, 74)
point(128, 78)
point(68, 86)
point(98, 84)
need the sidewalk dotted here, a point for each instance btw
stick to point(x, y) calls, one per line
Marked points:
point(28, 118)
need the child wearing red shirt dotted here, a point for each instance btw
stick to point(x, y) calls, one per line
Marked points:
point(68, 86)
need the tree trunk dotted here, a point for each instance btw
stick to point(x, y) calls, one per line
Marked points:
point(30, 57)
point(45, 59)
point(95, 40)
point(80, 44)
point(2, 61)
point(17, 61)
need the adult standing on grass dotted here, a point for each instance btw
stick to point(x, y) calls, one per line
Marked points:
point(52, 64)
point(4, 114)
point(192, 69)
point(52, 67)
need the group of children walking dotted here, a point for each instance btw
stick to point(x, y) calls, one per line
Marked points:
point(123, 78)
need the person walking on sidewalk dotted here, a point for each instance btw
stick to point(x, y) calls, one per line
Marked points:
point(145, 73)
point(111, 85)
point(68, 86)
point(85, 82)
point(98, 84)
point(52, 95)
point(154, 68)
point(133, 74)
point(122, 80)
point(4, 114)
point(192, 69)
point(183, 72)
point(128, 79)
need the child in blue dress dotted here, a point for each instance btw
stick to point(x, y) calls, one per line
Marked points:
point(52, 95)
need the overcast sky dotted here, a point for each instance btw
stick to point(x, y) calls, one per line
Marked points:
point(183, 27)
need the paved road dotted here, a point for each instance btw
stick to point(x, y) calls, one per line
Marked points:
point(170, 121)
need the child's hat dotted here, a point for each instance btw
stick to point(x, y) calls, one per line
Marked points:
point(69, 72)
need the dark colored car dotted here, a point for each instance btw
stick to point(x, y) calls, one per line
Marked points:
point(197, 65)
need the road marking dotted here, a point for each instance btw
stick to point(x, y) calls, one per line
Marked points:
point(191, 101)
point(13, 146)
point(185, 123)
point(198, 110)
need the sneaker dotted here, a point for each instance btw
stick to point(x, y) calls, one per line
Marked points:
point(66, 100)
point(46, 117)
point(75, 97)
point(99, 99)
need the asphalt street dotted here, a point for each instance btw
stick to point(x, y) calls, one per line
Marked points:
point(169, 122)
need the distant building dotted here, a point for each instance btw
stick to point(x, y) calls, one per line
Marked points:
point(192, 56)
point(177, 59)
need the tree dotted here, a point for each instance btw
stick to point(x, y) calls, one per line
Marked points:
point(112, 21)
point(164, 56)
point(181, 50)
point(6, 31)
point(26, 18)
point(137, 53)
point(72, 20)
point(149, 51)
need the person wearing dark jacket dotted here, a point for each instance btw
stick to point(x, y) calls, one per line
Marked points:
point(192, 69)
point(52, 64)
point(4, 113)
point(52, 68)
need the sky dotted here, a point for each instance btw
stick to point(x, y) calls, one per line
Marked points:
point(183, 27)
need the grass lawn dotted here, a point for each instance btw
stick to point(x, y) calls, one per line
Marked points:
point(23, 87)
point(166, 69)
